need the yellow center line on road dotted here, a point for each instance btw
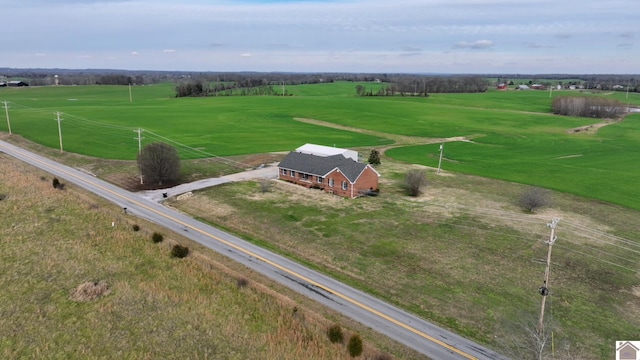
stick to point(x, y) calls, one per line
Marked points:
point(275, 265)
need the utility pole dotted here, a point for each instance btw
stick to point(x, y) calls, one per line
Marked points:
point(625, 98)
point(130, 96)
point(139, 138)
point(59, 130)
point(6, 111)
point(544, 289)
point(440, 161)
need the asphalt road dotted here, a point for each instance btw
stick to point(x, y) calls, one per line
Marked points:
point(399, 325)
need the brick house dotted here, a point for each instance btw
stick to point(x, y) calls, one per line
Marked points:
point(335, 174)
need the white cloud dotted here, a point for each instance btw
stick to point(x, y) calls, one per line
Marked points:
point(135, 53)
point(169, 51)
point(478, 44)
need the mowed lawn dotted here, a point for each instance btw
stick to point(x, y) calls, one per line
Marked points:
point(514, 135)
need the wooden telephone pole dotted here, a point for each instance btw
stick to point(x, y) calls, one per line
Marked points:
point(544, 289)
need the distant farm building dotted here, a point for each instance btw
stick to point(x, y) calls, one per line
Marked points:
point(332, 170)
point(538, 87)
point(522, 87)
point(321, 150)
point(17, 83)
point(502, 86)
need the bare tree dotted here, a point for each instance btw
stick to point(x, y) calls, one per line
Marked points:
point(265, 185)
point(523, 340)
point(534, 198)
point(588, 107)
point(159, 163)
point(414, 182)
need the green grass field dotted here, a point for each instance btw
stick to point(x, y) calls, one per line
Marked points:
point(515, 137)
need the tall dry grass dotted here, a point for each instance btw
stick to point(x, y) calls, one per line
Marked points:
point(157, 307)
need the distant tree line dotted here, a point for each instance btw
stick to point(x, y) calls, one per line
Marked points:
point(407, 85)
point(259, 84)
point(583, 106)
point(228, 83)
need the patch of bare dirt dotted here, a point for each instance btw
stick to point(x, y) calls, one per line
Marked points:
point(300, 194)
point(90, 290)
point(260, 159)
point(591, 129)
point(399, 140)
point(201, 204)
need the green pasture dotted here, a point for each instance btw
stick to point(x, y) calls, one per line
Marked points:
point(343, 88)
point(99, 121)
point(514, 135)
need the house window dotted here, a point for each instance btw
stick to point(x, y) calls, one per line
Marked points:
point(293, 173)
point(320, 179)
point(305, 176)
point(330, 182)
point(284, 172)
point(344, 185)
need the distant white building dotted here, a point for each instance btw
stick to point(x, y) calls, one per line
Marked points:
point(522, 87)
point(324, 151)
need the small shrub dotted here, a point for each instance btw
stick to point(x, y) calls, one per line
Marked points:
point(179, 251)
point(90, 291)
point(56, 183)
point(242, 282)
point(136, 227)
point(534, 198)
point(265, 185)
point(355, 345)
point(374, 157)
point(2, 197)
point(335, 334)
point(157, 237)
point(414, 182)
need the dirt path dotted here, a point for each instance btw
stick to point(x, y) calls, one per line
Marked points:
point(398, 140)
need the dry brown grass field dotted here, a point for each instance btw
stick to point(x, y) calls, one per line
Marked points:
point(76, 287)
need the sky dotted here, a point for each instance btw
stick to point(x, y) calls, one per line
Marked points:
point(365, 36)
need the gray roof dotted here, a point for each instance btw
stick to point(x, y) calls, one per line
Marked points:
point(322, 165)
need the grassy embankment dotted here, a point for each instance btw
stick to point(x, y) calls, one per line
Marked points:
point(157, 307)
